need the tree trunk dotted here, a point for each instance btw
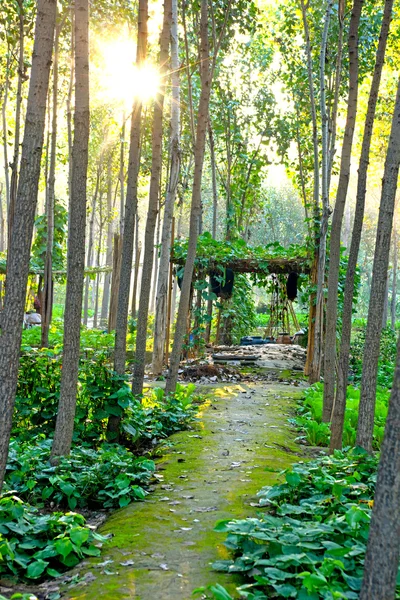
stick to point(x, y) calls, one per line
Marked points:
point(15, 162)
point(109, 251)
point(202, 120)
point(122, 177)
point(378, 286)
point(115, 282)
point(97, 293)
point(89, 259)
point(69, 101)
point(175, 153)
point(385, 310)
point(138, 250)
point(155, 265)
point(344, 354)
point(393, 304)
point(156, 163)
point(214, 180)
point(315, 370)
point(334, 254)
point(25, 207)
point(383, 548)
point(130, 204)
point(5, 130)
point(76, 238)
point(47, 297)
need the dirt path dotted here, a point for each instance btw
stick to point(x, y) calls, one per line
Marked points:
point(162, 548)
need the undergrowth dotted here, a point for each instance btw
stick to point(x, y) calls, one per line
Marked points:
point(311, 542)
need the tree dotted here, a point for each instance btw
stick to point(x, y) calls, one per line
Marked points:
point(160, 323)
point(195, 214)
point(383, 548)
point(76, 238)
point(378, 285)
point(24, 215)
point(156, 163)
point(344, 352)
point(130, 209)
point(335, 238)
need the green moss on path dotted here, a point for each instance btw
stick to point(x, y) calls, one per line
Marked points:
point(162, 548)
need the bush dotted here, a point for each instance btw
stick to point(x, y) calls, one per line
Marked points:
point(317, 433)
point(35, 545)
point(387, 356)
point(311, 544)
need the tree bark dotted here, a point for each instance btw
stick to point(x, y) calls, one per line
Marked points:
point(344, 353)
point(366, 409)
point(383, 548)
point(25, 207)
point(89, 258)
point(76, 238)
point(130, 203)
point(109, 251)
point(337, 219)
point(202, 120)
point(175, 153)
point(5, 130)
point(15, 162)
point(47, 296)
point(214, 180)
point(156, 163)
point(315, 370)
point(393, 304)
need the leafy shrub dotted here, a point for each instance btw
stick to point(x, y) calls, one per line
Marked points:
point(317, 433)
point(34, 546)
point(110, 477)
point(311, 544)
point(387, 356)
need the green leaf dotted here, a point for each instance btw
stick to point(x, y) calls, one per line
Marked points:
point(63, 546)
point(36, 568)
point(79, 535)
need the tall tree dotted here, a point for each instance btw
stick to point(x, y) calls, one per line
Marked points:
point(156, 163)
point(174, 142)
point(130, 208)
point(383, 548)
point(11, 318)
point(206, 75)
point(76, 237)
point(337, 219)
point(344, 352)
point(378, 285)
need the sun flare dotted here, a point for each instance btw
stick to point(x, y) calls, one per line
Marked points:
point(121, 80)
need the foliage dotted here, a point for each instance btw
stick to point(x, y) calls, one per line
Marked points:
point(387, 356)
point(109, 477)
point(59, 242)
point(101, 393)
point(35, 545)
point(311, 543)
point(317, 433)
point(238, 315)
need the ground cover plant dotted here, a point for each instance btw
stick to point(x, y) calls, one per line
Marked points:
point(317, 433)
point(310, 542)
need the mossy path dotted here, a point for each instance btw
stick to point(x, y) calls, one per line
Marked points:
point(162, 548)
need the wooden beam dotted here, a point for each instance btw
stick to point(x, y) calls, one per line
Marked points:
point(277, 266)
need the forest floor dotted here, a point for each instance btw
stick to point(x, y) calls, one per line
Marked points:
point(163, 548)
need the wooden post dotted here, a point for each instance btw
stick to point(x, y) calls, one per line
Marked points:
point(170, 285)
point(218, 326)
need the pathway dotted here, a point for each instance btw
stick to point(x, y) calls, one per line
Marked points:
point(162, 548)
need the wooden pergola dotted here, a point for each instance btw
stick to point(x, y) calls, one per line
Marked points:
point(273, 266)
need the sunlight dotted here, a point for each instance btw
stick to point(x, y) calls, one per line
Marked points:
point(121, 80)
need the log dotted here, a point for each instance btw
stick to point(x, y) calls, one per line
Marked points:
point(277, 266)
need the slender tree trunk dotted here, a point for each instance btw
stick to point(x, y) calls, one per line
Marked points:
point(17, 136)
point(393, 304)
point(316, 362)
point(5, 130)
point(47, 296)
point(109, 250)
point(138, 250)
point(344, 354)
point(76, 238)
point(316, 207)
point(383, 548)
point(122, 177)
point(69, 100)
point(130, 206)
point(155, 265)
point(115, 282)
point(385, 310)
point(141, 334)
point(202, 120)
point(214, 180)
point(334, 254)
point(175, 153)
point(25, 207)
point(89, 258)
point(366, 409)
point(96, 303)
